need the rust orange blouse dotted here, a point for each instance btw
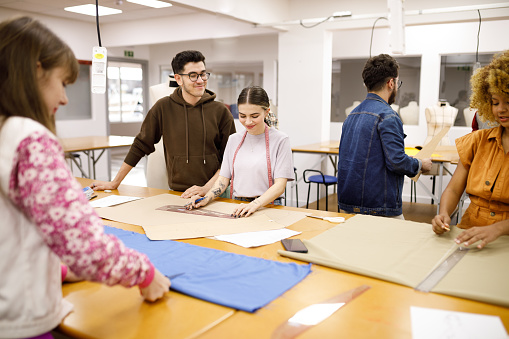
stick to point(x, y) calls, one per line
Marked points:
point(482, 154)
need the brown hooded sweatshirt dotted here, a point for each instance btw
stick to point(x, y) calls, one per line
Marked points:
point(194, 138)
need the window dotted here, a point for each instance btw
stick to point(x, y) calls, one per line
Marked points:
point(348, 89)
point(125, 91)
point(455, 73)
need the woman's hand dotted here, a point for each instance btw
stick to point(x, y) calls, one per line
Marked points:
point(197, 201)
point(194, 190)
point(484, 234)
point(245, 210)
point(441, 223)
point(159, 286)
point(104, 185)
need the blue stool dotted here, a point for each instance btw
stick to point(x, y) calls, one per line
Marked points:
point(319, 179)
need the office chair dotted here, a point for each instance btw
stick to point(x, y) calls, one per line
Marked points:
point(319, 179)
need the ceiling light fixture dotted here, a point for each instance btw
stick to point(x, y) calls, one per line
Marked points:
point(90, 10)
point(151, 3)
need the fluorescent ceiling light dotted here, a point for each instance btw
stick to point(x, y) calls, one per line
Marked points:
point(90, 10)
point(151, 3)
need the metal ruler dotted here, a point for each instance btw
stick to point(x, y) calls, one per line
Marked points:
point(441, 271)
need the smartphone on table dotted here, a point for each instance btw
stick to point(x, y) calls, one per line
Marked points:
point(294, 245)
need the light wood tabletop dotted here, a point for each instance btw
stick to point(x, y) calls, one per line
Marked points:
point(88, 145)
point(80, 144)
point(383, 311)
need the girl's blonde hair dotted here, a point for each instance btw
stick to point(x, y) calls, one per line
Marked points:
point(24, 43)
point(489, 80)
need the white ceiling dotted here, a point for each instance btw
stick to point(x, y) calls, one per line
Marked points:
point(130, 11)
point(268, 12)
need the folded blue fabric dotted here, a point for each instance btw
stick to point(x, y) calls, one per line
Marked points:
point(233, 280)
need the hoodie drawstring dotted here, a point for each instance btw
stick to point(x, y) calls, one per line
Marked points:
point(187, 135)
point(204, 133)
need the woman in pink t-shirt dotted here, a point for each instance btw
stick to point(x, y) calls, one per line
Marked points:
point(257, 162)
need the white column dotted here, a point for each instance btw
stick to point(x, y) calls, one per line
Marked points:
point(304, 94)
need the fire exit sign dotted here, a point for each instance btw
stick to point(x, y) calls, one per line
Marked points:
point(129, 54)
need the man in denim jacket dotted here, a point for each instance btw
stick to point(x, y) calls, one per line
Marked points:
point(372, 160)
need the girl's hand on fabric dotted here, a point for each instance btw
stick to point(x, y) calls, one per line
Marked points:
point(159, 286)
point(245, 210)
point(103, 185)
point(197, 201)
point(441, 223)
point(484, 234)
point(194, 190)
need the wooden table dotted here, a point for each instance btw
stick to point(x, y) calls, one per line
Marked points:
point(381, 312)
point(88, 146)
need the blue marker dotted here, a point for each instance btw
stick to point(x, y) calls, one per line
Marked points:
point(196, 201)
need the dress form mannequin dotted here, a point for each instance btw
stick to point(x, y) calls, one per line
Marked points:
point(410, 114)
point(438, 117)
point(349, 109)
point(469, 113)
point(155, 172)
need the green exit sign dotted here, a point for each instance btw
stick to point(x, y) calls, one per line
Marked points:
point(129, 54)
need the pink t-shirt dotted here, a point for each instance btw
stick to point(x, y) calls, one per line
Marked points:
point(43, 188)
point(251, 176)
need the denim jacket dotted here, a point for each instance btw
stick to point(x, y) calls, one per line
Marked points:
point(372, 161)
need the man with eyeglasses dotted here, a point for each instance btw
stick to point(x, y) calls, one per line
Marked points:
point(194, 128)
point(372, 162)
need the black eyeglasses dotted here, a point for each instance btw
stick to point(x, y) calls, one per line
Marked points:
point(399, 83)
point(193, 76)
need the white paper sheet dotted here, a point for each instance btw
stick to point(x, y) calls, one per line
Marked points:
point(112, 200)
point(254, 239)
point(439, 324)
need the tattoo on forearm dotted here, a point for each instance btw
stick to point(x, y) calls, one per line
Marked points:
point(216, 192)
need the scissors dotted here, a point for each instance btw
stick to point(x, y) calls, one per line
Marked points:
point(335, 220)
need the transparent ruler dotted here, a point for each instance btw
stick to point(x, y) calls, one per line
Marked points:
point(441, 270)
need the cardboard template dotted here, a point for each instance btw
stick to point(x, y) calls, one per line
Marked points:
point(160, 221)
point(429, 148)
point(405, 252)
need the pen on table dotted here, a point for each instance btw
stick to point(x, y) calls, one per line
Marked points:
point(196, 201)
point(95, 196)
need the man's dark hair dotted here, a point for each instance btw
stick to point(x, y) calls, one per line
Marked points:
point(181, 59)
point(378, 70)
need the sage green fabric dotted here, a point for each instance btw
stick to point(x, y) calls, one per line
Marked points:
point(405, 252)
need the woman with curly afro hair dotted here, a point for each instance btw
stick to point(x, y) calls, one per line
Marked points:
point(483, 169)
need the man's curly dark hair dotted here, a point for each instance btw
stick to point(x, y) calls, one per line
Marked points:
point(378, 70)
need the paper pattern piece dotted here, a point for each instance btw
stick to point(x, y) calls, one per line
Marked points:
point(112, 200)
point(233, 280)
point(432, 323)
point(254, 239)
point(405, 252)
point(165, 225)
point(429, 148)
